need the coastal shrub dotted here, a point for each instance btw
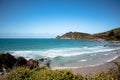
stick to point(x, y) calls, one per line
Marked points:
point(42, 73)
point(18, 74)
point(103, 76)
point(39, 74)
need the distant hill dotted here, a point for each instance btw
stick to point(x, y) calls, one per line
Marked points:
point(111, 35)
point(74, 35)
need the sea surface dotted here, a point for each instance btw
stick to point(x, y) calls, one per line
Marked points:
point(63, 53)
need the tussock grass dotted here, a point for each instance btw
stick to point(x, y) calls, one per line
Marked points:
point(40, 73)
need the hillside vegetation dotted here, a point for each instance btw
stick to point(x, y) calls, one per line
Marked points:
point(40, 73)
point(74, 35)
point(111, 35)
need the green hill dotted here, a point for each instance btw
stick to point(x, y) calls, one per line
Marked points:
point(111, 35)
point(74, 35)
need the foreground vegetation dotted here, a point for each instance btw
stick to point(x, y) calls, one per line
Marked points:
point(42, 73)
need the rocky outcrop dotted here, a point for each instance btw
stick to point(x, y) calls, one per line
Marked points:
point(21, 61)
point(7, 61)
point(32, 63)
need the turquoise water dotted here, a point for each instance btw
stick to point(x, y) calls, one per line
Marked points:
point(43, 44)
point(63, 53)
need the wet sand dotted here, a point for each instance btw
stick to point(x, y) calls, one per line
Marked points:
point(96, 69)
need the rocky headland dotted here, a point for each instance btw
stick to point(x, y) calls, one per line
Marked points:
point(111, 35)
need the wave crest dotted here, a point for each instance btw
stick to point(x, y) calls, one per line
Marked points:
point(63, 52)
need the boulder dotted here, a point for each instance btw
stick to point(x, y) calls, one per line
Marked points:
point(7, 61)
point(32, 63)
point(42, 59)
point(21, 61)
point(48, 62)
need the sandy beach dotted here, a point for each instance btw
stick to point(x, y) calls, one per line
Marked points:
point(89, 71)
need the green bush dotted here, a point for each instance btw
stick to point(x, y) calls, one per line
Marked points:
point(39, 74)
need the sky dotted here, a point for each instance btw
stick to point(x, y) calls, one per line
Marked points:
point(49, 18)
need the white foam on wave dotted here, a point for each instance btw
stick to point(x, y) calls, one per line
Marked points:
point(106, 54)
point(93, 54)
point(112, 59)
point(64, 52)
point(82, 60)
point(55, 68)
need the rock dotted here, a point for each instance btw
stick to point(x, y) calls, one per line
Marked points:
point(7, 61)
point(32, 63)
point(48, 62)
point(21, 61)
point(42, 59)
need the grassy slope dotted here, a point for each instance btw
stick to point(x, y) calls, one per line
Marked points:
point(113, 34)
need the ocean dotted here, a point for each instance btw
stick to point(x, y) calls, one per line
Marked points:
point(63, 53)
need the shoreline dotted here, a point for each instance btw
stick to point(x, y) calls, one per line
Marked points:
point(89, 71)
point(92, 70)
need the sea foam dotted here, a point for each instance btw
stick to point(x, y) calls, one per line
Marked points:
point(63, 52)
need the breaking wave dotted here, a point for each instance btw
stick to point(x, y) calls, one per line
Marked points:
point(62, 52)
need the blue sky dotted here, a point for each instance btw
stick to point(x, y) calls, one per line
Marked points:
point(49, 18)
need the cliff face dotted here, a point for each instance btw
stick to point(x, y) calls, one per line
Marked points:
point(111, 35)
